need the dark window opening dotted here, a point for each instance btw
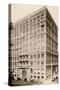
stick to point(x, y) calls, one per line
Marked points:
point(31, 70)
point(42, 25)
point(42, 76)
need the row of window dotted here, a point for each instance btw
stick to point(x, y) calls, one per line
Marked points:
point(26, 50)
point(27, 56)
point(31, 56)
point(38, 77)
point(32, 31)
point(40, 38)
point(31, 22)
point(31, 77)
point(31, 62)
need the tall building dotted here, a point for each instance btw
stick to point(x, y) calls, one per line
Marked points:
point(33, 47)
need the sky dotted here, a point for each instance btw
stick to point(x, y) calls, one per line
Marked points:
point(18, 11)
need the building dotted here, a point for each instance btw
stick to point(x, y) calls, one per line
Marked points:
point(33, 47)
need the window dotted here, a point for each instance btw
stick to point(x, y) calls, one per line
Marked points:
point(27, 62)
point(38, 62)
point(42, 28)
point(21, 26)
point(31, 62)
point(42, 15)
point(42, 36)
point(38, 25)
point(42, 77)
point(31, 22)
point(34, 56)
point(42, 69)
point(38, 31)
point(34, 19)
point(38, 72)
point(38, 77)
point(38, 56)
point(38, 18)
point(31, 56)
point(42, 62)
point(42, 55)
point(15, 75)
point(42, 25)
point(20, 57)
point(27, 56)
point(34, 76)
point(23, 56)
point(27, 24)
point(31, 70)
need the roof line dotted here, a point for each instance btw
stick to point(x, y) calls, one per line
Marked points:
point(29, 15)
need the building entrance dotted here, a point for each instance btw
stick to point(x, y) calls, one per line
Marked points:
point(24, 75)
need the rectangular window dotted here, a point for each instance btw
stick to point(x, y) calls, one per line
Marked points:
point(42, 15)
point(31, 62)
point(31, 70)
point(38, 55)
point(31, 56)
point(34, 20)
point(42, 77)
point(42, 62)
point(34, 56)
point(34, 76)
point(38, 18)
point(38, 25)
point(38, 77)
point(42, 28)
point(42, 25)
point(42, 55)
point(31, 22)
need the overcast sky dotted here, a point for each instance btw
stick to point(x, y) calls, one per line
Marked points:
point(19, 11)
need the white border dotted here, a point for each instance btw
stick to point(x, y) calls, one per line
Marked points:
point(4, 43)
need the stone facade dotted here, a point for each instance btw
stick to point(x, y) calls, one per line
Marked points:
point(34, 47)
